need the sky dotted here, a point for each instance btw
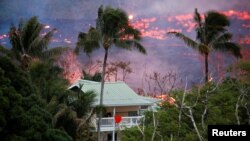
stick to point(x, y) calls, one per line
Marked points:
point(154, 18)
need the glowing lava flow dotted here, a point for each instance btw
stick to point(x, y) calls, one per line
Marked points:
point(72, 70)
point(130, 17)
point(3, 36)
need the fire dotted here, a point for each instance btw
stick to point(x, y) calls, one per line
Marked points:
point(55, 40)
point(185, 20)
point(46, 26)
point(241, 15)
point(245, 40)
point(166, 98)
point(67, 41)
point(147, 30)
point(231, 11)
point(173, 30)
point(155, 33)
point(130, 17)
point(245, 53)
point(3, 36)
point(246, 25)
point(70, 64)
point(210, 79)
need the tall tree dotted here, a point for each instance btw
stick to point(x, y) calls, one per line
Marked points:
point(112, 29)
point(211, 34)
point(28, 43)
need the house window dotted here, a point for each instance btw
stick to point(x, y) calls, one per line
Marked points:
point(132, 113)
point(143, 109)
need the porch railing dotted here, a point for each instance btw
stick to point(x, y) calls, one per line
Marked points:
point(107, 123)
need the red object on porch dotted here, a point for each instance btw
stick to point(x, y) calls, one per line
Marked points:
point(118, 118)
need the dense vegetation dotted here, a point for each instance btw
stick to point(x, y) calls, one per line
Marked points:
point(35, 104)
point(224, 103)
point(24, 116)
point(34, 97)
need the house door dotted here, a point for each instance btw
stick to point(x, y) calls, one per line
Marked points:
point(110, 136)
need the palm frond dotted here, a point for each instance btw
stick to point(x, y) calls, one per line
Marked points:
point(80, 42)
point(214, 18)
point(190, 42)
point(199, 26)
point(200, 35)
point(130, 44)
point(197, 18)
point(15, 40)
point(202, 48)
point(31, 31)
point(213, 32)
point(215, 24)
point(139, 47)
point(89, 96)
point(53, 52)
point(46, 39)
point(225, 37)
point(113, 21)
point(130, 32)
point(40, 44)
point(229, 46)
point(34, 47)
point(88, 42)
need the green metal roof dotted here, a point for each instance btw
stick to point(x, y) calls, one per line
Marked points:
point(115, 94)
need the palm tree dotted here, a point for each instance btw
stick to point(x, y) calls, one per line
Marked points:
point(28, 43)
point(74, 117)
point(112, 29)
point(211, 34)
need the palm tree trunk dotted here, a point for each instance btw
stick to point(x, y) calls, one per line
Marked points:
point(101, 94)
point(206, 67)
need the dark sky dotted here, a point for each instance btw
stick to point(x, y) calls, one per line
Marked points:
point(153, 17)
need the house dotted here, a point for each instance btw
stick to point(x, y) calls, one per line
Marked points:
point(118, 99)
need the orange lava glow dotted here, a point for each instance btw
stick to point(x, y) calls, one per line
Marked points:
point(143, 23)
point(72, 71)
point(130, 17)
point(147, 30)
point(3, 36)
point(173, 30)
point(245, 40)
point(55, 40)
point(185, 20)
point(245, 53)
point(241, 15)
point(155, 33)
point(184, 17)
point(46, 26)
point(166, 98)
point(246, 25)
point(67, 41)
